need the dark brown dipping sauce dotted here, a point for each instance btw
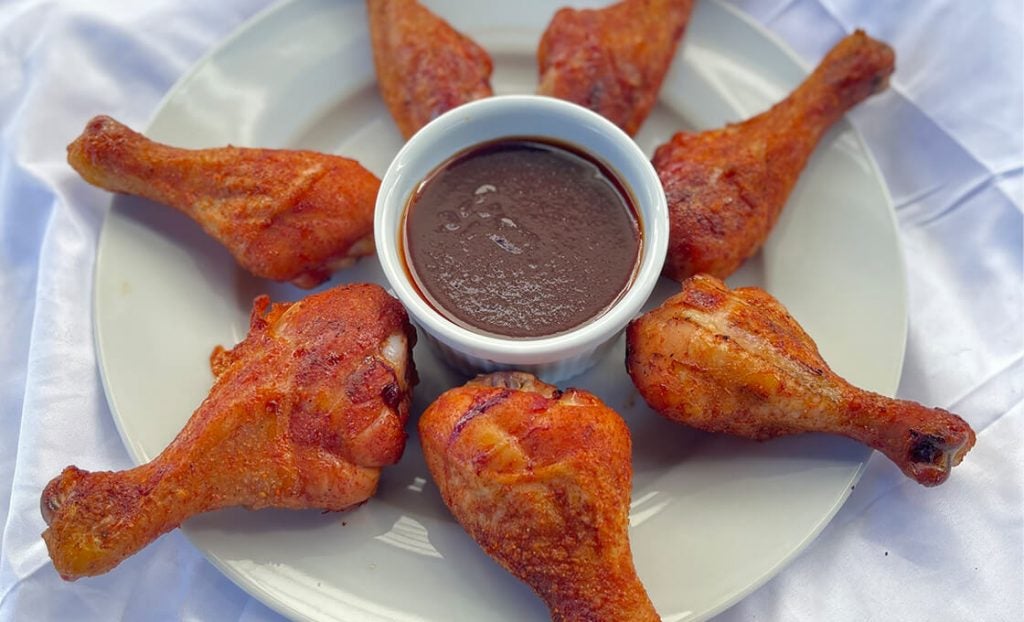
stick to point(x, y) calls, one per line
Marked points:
point(521, 238)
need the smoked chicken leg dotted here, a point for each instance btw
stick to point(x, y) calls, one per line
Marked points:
point(540, 478)
point(424, 66)
point(303, 413)
point(612, 60)
point(284, 215)
point(726, 187)
point(737, 362)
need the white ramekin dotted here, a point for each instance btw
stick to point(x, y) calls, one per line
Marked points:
point(553, 358)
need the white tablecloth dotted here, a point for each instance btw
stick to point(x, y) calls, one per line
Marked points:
point(948, 137)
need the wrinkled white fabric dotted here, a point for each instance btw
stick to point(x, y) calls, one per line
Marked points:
point(948, 137)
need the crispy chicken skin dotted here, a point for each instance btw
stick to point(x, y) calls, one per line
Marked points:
point(726, 187)
point(737, 362)
point(612, 60)
point(424, 66)
point(284, 215)
point(303, 414)
point(540, 478)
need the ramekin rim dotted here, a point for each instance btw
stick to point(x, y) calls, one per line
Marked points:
point(654, 220)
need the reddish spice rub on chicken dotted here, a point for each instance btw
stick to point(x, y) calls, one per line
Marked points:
point(424, 66)
point(540, 478)
point(737, 362)
point(612, 60)
point(726, 187)
point(284, 215)
point(303, 413)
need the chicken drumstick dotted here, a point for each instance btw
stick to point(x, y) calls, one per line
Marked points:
point(424, 66)
point(737, 362)
point(541, 480)
point(303, 414)
point(612, 60)
point(284, 215)
point(726, 187)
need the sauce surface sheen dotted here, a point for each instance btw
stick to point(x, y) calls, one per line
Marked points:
point(521, 238)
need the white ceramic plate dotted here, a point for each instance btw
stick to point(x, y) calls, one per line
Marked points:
point(712, 517)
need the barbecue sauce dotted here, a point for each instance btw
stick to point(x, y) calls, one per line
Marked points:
point(521, 238)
